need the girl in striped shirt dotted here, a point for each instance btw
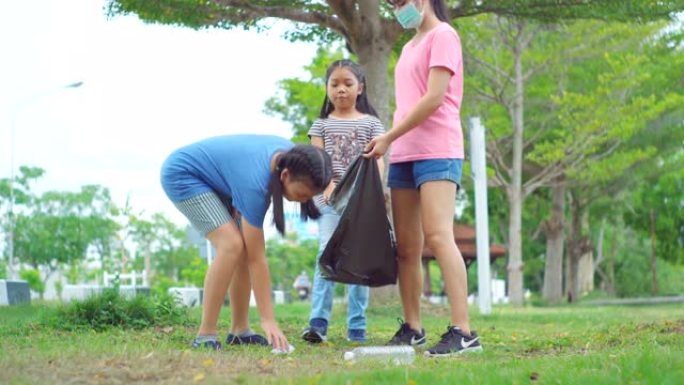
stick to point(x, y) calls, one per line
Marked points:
point(347, 123)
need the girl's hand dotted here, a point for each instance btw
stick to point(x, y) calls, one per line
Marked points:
point(377, 147)
point(328, 191)
point(274, 336)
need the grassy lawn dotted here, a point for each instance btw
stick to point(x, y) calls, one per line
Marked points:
point(564, 345)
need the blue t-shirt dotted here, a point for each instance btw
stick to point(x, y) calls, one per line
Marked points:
point(236, 166)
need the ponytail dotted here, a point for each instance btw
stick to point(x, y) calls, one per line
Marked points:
point(441, 10)
point(305, 163)
point(276, 188)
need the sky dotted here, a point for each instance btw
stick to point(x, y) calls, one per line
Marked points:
point(147, 90)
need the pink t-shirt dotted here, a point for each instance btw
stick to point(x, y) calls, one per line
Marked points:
point(440, 135)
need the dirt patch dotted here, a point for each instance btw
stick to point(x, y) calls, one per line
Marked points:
point(183, 367)
point(672, 327)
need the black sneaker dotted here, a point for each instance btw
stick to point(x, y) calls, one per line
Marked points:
point(314, 335)
point(210, 345)
point(254, 339)
point(407, 336)
point(317, 331)
point(455, 342)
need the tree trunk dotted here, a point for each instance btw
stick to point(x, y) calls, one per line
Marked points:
point(148, 268)
point(601, 257)
point(578, 246)
point(572, 284)
point(515, 196)
point(555, 240)
point(654, 277)
point(372, 38)
point(374, 58)
point(610, 288)
point(586, 272)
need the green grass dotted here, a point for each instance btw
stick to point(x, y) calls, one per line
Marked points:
point(563, 345)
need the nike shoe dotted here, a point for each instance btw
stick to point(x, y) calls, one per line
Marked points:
point(408, 336)
point(254, 339)
point(455, 342)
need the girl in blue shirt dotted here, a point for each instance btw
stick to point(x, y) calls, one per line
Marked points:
point(224, 185)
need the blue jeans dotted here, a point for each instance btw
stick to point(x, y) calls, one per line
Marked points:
point(323, 290)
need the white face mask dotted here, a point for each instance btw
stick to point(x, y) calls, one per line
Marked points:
point(409, 16)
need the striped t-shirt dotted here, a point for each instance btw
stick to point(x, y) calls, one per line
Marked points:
point(344, 140)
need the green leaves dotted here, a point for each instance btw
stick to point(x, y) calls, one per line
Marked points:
point(33, 278)
point(656, 209)
point(299, 101)
point(58, 227)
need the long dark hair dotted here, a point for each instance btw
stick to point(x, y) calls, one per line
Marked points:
point(305, 163)
point(438, 6)
point(441, 10)
point(362, 103)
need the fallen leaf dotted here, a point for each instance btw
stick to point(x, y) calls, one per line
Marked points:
point(199, 377)
point(168, 329)
point(208, 363)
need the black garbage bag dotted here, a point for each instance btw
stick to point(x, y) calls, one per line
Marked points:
point(362, 249)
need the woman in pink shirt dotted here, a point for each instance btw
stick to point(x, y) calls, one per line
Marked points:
point(425, 169)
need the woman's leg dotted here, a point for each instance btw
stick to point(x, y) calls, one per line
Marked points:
point(240, 291)
point(437, 200)
point(406, 214)
point(229, 246)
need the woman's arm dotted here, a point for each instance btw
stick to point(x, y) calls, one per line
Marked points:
point(261, 283)
point(438, 83)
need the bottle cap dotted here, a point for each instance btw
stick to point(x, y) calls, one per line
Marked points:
point(348, 356)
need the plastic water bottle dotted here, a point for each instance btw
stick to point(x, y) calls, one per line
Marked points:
point(397, 355)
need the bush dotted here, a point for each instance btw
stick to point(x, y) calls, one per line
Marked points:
point(35, 282)
point(160, 284)
point(111, 309)
point(195, 272)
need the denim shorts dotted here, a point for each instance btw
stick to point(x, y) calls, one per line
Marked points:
point(415, 173)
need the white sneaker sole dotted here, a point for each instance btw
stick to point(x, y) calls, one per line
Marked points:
point(476, 349)
point(317, 340)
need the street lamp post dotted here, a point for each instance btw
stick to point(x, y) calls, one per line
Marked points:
point(12, 223)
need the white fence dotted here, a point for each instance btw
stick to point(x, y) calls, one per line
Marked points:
point(131, 277)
